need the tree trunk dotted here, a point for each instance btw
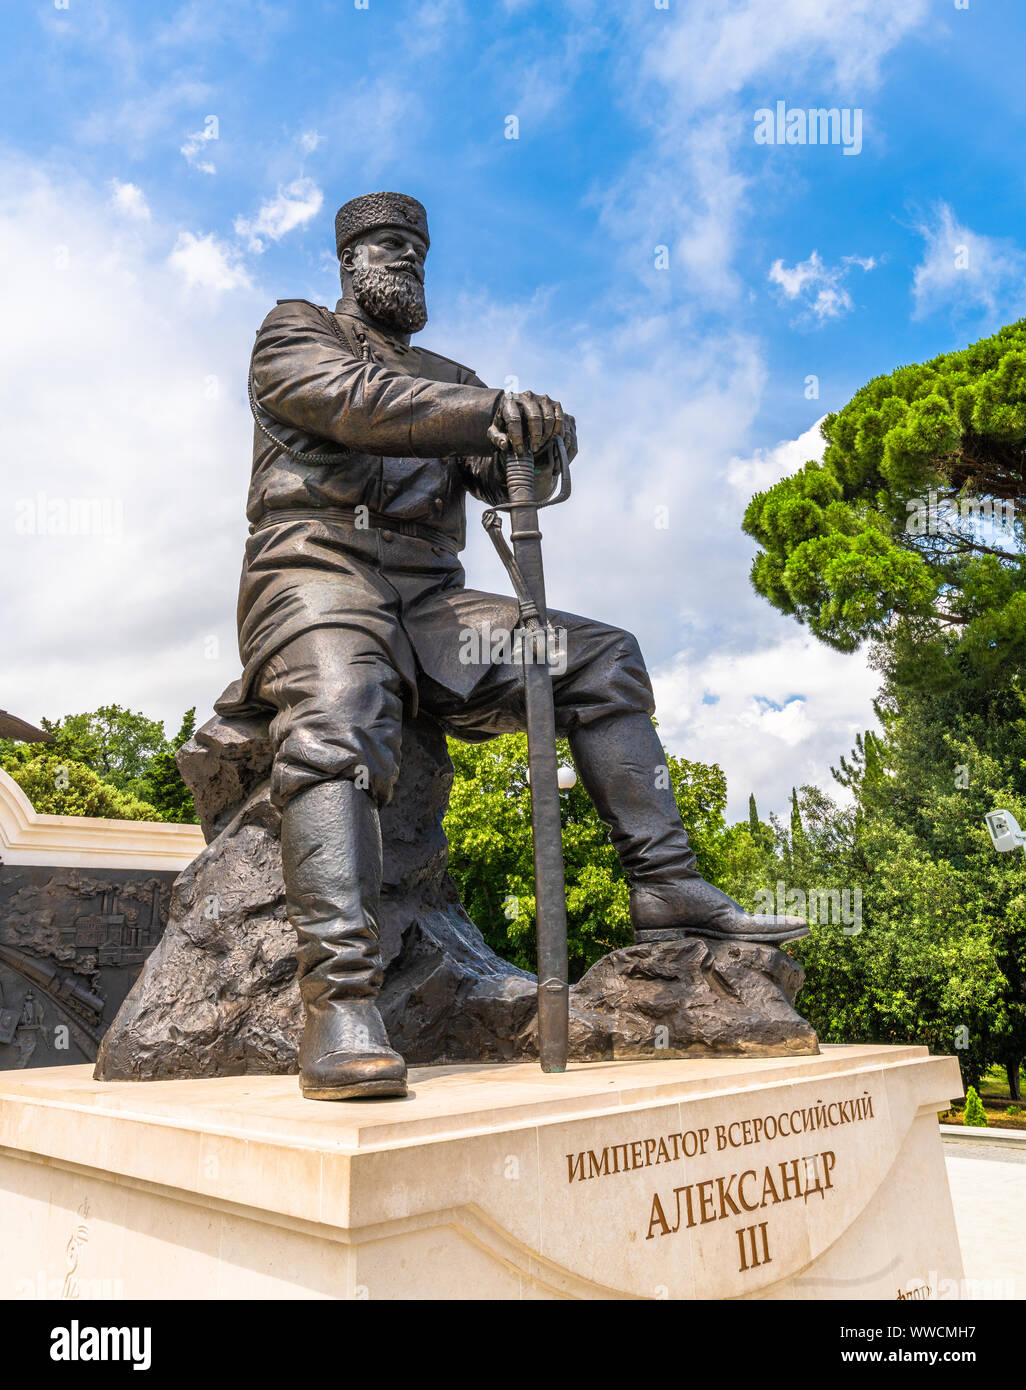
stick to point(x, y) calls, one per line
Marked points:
point(1014, 1086)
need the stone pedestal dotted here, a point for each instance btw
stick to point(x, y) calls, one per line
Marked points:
point(796, 1177)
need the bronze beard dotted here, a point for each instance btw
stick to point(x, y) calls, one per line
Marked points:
point(393, 297)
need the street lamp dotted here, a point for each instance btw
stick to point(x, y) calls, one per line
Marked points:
point(566, 777)
point(1004, 830)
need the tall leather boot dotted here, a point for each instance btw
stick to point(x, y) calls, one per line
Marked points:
point(620, 760)
point(331, 858)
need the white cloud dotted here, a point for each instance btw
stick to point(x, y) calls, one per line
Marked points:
point(370, 120)
point(962, 269)
point(204, 262)
point(247, 30)
point(195, 146)
point(141, 408)
point(721, 46)
point(130, 200)
point(690, 198)
point(309, 140)
point(773, 717)
point(651, 538)
point(765, 467)
point(144, 116)
point(819, 287)
point(291, 207)
point(427, 28)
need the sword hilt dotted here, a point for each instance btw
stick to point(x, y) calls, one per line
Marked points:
point(520, 478)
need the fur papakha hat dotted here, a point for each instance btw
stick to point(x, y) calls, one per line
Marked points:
point(374, 210)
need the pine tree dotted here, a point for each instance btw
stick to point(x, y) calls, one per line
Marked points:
point(912, 530)
point(167, 792)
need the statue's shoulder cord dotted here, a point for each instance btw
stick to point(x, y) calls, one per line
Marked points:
point(363, 354)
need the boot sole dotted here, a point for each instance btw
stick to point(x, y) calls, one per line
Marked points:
point(354, 1090)
point(757, 939)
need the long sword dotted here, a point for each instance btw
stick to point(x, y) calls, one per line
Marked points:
point(526, 571)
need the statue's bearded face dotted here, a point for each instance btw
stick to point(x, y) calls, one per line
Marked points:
point(387, 267)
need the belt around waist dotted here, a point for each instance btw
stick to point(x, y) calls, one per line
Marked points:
point(369, 521)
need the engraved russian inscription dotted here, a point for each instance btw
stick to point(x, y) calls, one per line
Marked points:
point(706, 1200)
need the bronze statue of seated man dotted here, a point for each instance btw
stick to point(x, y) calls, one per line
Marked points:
point(353, 608)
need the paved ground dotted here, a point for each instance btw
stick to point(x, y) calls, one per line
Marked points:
point(988, 1188)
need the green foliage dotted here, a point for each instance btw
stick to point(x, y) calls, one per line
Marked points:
point(974, 1115)
point(490, 848)
point(940, 956)
point(490, 857)
point(167, 792)
point(851, 549)
point(130, 764)
point(62, 788)
point(880, 542)
point(117, 744)
point(760, 834)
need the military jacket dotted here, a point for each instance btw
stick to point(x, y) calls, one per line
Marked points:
point(412, 425)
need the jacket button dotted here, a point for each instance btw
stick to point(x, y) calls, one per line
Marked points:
point(386, 536)
point(391, 489)
point(437, 503)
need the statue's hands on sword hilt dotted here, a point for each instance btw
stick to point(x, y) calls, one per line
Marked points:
point(529, 426)
point(524, 420)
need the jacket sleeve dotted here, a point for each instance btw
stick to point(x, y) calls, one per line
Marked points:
point(484, 476)
point(304, 377)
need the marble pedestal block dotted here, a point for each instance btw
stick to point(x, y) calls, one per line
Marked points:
point(801, 1178)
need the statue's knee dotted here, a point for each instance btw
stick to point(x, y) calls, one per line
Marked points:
point(622, 675)
point(621, 652)
point(628, 648)
point(305, 757)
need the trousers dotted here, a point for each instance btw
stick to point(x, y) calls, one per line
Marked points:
point(339, 694)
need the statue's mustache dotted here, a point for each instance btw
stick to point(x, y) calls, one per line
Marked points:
point(406, 268)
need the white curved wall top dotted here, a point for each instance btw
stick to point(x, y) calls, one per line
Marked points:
point(87, 842)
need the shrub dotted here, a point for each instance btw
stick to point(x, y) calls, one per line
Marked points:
point(62, 788)
point(974, 1112)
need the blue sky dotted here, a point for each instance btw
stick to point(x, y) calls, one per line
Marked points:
point(140, 255)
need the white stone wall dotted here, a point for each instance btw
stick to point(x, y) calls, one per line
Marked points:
point(87, 842)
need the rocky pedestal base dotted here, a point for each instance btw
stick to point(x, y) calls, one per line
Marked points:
point(218, 997)
point(690, 998)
